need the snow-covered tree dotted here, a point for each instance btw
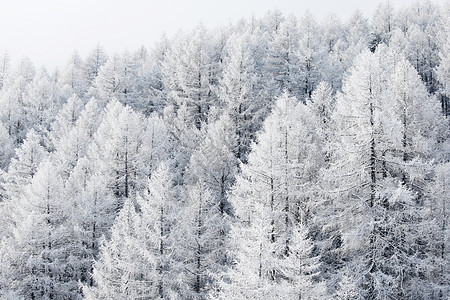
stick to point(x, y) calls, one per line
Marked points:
point(96, 58)
point(65, 120)
point(378, 171)
point(443, 69)
point(282, 61)
point(73, 79)
point(5, 61)
point(240, 90)
point(24, 166)
point(123, 270)
point(214, 162)
point(383, 22)
point(271, 199)
point(159, 214)
point(198, 252)
point(39, 257)
point(116, 150)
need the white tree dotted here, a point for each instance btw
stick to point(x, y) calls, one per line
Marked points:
point(282, 61)
point(13, 113)
point(5, 61)
point(123, 270)
point(379, 171)
point(443, 69)
point(66, 118)
point(39, 254)
point(214, 163)
point(7, 149)
point(159, 213)
point(240, 90)
point(116, 150)
point(73, 79)
point(198, 252)
point(21, 171)
point(93, 62)
point(271, 198)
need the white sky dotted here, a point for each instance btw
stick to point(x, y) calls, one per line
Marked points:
point(48, 31)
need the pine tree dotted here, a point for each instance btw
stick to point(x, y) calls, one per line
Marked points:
point(159, 214)
point(240, 90)
point(123, 270)
point(39, 254)
point(269, 204)
point(383, 199)
point(21, 171)
point(198, 251)
point(116, 150)
point(73, 79)
point(4, 68)
point(93, 62)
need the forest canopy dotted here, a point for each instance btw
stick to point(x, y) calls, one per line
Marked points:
point(281, 157)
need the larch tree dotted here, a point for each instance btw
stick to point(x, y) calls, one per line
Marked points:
point(282, 61)
point(240, 90)
point(13, 114)
point(192, 82)
point(96, 58)
point(39, 254)
point(65, 119)
point(198, 252)
point(73, 79)
point(379, 171)
point(269, 204)
point(311, 55)
point(40, 103)
point(92, 211)
point(438, 230)
point(443, 69)
point(20, 172)
point(122, 269)
point(159, 213)
point(7, 150)
point(383, 22)
point(116, 148)
point(5, 61)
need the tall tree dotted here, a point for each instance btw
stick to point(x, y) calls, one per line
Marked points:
point(443, 70)
point(96, 58)
point(240, 90)
point(123, 270)
point(21, 171)
point(116, 150)
point(4, 68)
point(282, 61)
point(39, 255)
point(198, 253)
point(269, 204)
point(379, 181)
point(73, 79)
point(159, 214)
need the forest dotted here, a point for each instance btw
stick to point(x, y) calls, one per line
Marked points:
point(280, 157)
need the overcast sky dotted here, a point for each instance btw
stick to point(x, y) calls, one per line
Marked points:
point(48, 31)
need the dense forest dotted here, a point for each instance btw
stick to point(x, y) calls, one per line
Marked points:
point(279, 157)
